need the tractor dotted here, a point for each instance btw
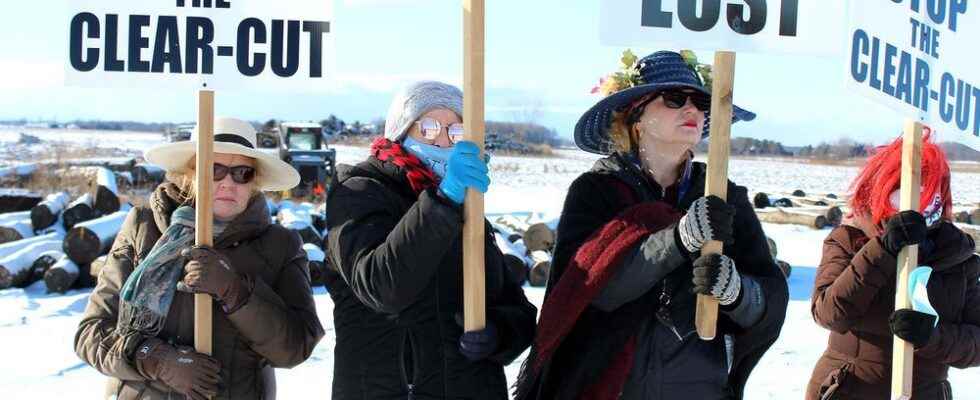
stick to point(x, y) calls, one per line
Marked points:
point(304, 146)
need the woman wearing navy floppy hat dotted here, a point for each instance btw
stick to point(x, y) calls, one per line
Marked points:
point(618, 316)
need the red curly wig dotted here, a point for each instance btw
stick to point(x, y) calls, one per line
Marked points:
point(882, 175)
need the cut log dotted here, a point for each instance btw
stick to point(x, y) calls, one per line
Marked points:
point(514, 258)
point(88, 240)
point(961, 217)
point(14, 230)
point(46, 212)
point(317, 262)
point(79, 211)
point(784, 216)
point(12, 200)
point(773, 251)
point(799, 193)
point(7, 249)
point(539, 237)
point(15, 269)
point(542, 267)
point(106, 193)
point(62, 275)
point(148, 175)
point(19, 215)
point(783, 202)
point(831, 196)
point(975, 217)
point(44, 263)
point(761, 200)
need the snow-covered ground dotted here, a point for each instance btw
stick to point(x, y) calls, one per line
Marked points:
point(37, 329)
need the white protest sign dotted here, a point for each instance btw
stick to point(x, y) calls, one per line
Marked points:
point(920, 58)
point(773, 26)
point(225, 44)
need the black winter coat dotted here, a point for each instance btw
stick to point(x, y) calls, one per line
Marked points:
point(595, 199)
point(399, 294)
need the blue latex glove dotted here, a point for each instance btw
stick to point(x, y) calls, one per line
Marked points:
point(465, 169)
point(478, 345)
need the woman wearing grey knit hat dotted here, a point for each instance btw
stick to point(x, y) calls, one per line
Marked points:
point(395, 223)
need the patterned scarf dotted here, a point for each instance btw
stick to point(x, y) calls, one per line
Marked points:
point(419, 176)
point(148, 292)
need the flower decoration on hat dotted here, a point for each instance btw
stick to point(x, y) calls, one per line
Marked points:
point(628, 76)
point(703, 70)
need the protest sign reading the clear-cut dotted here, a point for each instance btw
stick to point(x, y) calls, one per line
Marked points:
point(283, 45)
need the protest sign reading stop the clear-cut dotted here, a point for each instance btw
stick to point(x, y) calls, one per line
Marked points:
point(282, 45)
point(785, 26)
point(919, 57)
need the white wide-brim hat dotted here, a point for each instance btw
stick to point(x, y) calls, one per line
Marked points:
point(231, 136)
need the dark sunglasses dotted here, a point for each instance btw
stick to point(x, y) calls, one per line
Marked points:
point(675, 100)
point(241, 174)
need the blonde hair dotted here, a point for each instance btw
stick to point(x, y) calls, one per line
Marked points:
point(624, 138)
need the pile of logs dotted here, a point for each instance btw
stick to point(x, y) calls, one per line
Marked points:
point(816, 212)
point(527, 248)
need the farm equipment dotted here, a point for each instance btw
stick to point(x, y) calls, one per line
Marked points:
point(304, 146)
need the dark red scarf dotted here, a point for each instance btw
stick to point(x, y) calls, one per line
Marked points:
point(593, 265)
point(419, 176)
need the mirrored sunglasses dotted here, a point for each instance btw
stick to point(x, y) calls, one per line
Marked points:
point(432, 128)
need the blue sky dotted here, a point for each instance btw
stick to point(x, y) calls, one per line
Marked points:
point(543, 57)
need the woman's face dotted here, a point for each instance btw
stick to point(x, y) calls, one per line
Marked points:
point(445, 118)
point(230, 197)
point(663, 124)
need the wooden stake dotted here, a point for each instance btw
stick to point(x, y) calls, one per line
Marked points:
point(902, 351)
point(723, 82)
point(474, 277)
point(203, 341)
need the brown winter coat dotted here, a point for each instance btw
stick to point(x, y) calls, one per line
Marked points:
point(277, 327)
point(854, 295)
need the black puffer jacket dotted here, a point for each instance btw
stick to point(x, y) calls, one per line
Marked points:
point(399, 257)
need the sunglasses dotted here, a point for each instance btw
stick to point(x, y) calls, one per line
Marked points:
point(676, 99)
point(241, 174)
point(432, 128)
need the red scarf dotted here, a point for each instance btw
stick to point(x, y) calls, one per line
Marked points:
point(419, 176)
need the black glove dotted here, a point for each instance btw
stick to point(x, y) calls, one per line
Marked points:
point(190, 373)
point(903, 229)
point(210, 272)
point(912, 326)
point(709, 218)
point(715, 275)
point(477, 345)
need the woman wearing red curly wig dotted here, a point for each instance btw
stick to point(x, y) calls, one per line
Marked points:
point(854, 292)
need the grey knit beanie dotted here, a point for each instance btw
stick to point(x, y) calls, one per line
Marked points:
point(416, 99)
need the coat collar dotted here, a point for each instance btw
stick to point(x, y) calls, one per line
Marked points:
point(251, 222)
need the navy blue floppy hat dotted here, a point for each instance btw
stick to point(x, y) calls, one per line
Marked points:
point(659, 71)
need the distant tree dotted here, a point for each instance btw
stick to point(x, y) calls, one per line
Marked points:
point(270, 124)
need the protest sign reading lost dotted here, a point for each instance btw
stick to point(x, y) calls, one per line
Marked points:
point(285, 44)
point(919, 57)
point(780, 26)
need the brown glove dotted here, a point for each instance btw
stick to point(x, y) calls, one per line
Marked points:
point(208, 271)
point(192, 374)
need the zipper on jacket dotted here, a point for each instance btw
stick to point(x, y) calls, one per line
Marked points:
point(408, 364)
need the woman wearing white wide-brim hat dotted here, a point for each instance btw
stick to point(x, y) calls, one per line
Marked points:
point(138, 328)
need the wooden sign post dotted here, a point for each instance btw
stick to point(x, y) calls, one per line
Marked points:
point(203, 236)
point(719, 149)
point(474, 275)
point(902, 352)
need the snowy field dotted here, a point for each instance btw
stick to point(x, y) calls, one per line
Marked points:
point(38, 329)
